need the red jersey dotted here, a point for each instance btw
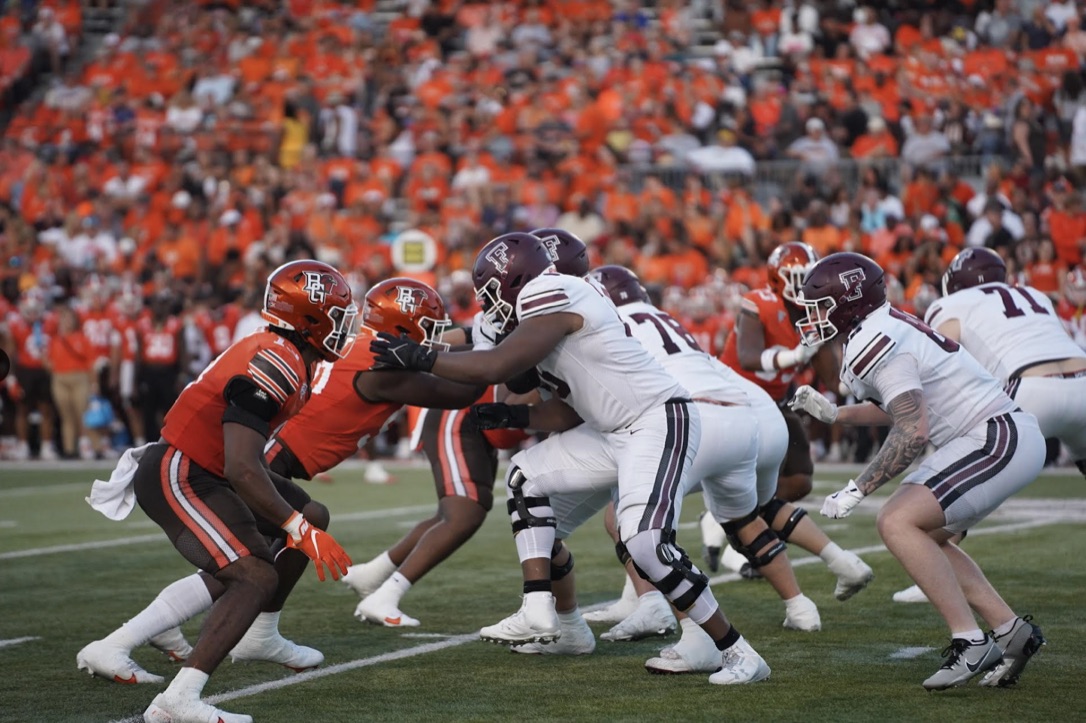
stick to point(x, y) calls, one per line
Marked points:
point(97, 326)
point(337, 422)
point(126, 336)
point(500, 438)
point(780, 333)
point(709, 333)
point(194, 422)
point(31, 340)
point(1074, 320)
point(219, 328)
point(158, 343)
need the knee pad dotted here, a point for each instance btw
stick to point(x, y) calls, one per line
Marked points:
point(560, 571)
point(770, 511)
point(764, 539)
point(659, 560)
point(732, 527)
point(526, 511)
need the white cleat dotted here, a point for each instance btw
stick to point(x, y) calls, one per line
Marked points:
point(276, 650)
point(652, 618)
point(853, 575)
point(376, 474)
point(113, 663)
point(733, 560)
point(713, 541)
point(365, 578)
point(379, 610)
point(535, 622)
point(694, 653)
point(576, 639)
point(802, 614)
point(618, 610)
point(172, 644)
point(166, 708)
point(740, 664)
point(910, 595)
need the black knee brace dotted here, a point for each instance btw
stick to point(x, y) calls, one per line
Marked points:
point(560, 571)
point(522, 505)
point(622, 553)
point(682, 569)
point(766, 538)
point(770, 512)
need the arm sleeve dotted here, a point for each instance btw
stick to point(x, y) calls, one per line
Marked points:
point(249, 404)
point(895, 376)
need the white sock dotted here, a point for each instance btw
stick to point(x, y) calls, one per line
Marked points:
point(689, 626)
point(265, 626)
point(830, 553)
point(384, 564)
point(1005, 627)
point(573, 617)
point(178, 602)
point(188, 683)
point(974, 636)
point(793, 602)
point(650, 595)
point(535, 599)
point(629, 592)
point(396, 587)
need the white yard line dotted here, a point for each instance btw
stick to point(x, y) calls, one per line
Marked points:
point(32, 490)
point(458, 640)
point(16, 641)
point(909, 653)
point(425, 636)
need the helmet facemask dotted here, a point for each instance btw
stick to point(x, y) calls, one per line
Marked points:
point(793, 278)
point(342, 330)
point(816, 328)
point(498, 312)
point(432, 331)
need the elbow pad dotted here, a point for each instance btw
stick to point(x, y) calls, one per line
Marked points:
point(523, 382)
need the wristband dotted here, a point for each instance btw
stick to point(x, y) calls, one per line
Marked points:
point(293, 525)
point(769, 360)
point(518, 416)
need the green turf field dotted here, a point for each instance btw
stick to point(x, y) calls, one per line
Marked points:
point(1034, 553)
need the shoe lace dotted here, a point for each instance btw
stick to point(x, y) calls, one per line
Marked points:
point(954, 652)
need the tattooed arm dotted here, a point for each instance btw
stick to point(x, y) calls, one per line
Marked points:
point(906, 440)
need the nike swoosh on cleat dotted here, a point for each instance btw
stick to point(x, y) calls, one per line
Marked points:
point(392, 621)
point(973, 666)
point(130, 680)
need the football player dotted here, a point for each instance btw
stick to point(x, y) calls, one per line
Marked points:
point(766, 349)
point(737, 475)
point(205, 483)
point(639, 425)
point(1072, 307)
point(920, 382)
point(26, 340)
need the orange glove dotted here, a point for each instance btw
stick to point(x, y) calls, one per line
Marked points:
point(318, 546)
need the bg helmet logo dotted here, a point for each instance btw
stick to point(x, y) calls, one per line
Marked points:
point(551, 244)
point(852, 280)
point(499, 257)
point(408, 299)
point(316, 285)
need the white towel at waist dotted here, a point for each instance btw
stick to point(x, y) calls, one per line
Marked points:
point(116, 498)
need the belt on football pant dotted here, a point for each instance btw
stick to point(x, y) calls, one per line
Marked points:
point(705, 400)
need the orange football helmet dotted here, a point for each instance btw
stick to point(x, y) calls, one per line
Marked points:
point(787, 268)
point(1075, 286)
point(313, 300)
point(406, 306)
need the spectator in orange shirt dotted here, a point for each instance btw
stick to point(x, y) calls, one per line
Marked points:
point(70, 361)
point(820, 234)
point(878, 142)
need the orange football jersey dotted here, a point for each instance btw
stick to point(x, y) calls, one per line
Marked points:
point(780, 331)
point(194, 422)
point(336, 422)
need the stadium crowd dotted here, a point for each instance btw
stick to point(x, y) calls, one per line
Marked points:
point(151, 189)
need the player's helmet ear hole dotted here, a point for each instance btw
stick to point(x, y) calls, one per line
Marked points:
point(515, 283)
point(312, 319)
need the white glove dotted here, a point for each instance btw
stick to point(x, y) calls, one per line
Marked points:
point(810, 401)
point(840, 504)
point(773, 359)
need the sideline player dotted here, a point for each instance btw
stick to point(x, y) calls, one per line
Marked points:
point(639, 425)
point(916, 379)
point(206, 485)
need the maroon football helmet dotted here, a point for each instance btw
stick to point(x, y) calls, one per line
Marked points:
point(839, 292)
point(569, 253)
point(973, 267)
point(621, 284)
point(502, 269)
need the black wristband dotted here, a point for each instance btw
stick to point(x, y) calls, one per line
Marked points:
point(518, 416)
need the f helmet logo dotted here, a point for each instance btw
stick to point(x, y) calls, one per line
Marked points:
point(499, 257)
point(408, 299)
point(316, 285)
point(551, 244)
point(852, 280)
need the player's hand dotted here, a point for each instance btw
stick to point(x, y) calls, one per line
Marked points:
point(840, 504)
point(805, 353)
point(318, 546)
point(810, 401)
point(399, 352)
point(499, 416)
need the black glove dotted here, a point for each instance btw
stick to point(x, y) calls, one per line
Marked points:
point(499, 416)
point(400, 352)
point(524, 382)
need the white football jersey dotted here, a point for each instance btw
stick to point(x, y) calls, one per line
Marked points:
point(599, 370)
point(958, 391)
point(678, 352)
point(1007, 328)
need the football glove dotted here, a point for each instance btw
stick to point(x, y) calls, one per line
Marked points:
point(400, 352)
point(499, 416)
point(317, 545)
point(810, 401)
point(840, 504)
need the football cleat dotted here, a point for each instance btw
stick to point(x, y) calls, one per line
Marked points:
point(535, 622)
point(733, 560)
point(740, 664)
point(380, 610)
point(166, 708)
point(1018, 645)
point(694, 653)
point(113, 663)
point(963, 661)
point(172, 643)
point(853, 575)
point(365, 578)
point(376, 474)
point(576, 639)
point(619, 610)
point(276, 649)
point(651, 618)
point(802, 614)
point(910, 595)
point(713, 541)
